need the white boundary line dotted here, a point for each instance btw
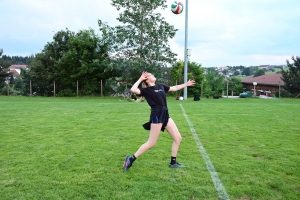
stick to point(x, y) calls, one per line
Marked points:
point(217, 182)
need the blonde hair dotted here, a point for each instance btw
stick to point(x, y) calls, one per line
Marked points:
point(144, 84)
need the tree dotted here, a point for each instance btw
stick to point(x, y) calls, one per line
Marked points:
point(236, 73)
point(260, 72)
point(177, 73)
point(195, 72)
point(235, 86)
point(3, 68)
point(213, 83)
point(40, 74)
point(70, 57)
point(87, 61)
point(291, 77)
point(4, 72)
point(141, 43)
point(246, 71)
point(44, 67)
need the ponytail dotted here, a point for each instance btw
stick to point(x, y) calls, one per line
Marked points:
point(144, 84)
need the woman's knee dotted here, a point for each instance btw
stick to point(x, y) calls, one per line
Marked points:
point(150, 143)
point(178, 138)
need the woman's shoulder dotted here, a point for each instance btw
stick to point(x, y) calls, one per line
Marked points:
point(160, 85)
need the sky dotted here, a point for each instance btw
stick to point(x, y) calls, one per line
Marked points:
point(220, 32)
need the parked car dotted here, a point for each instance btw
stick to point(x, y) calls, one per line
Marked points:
point(246, 94)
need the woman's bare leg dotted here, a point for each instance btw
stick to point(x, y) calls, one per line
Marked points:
point(153, 137)
point(174, 133)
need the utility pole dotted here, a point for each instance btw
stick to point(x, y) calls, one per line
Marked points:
point(186, 49)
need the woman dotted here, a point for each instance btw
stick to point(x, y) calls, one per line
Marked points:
point(159, 117)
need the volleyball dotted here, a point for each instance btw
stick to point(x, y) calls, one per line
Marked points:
point(177, 8)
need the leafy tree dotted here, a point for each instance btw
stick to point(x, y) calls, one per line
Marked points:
point(4, 72)
point(40, 75)
point(236, 73)
point(291, 77)
point(260, 72)
point(234, 85)
point(213, 84)
point(87, 61)
point(141, 43)
point(241, 67)
point(44, 67)
point(246, 71)
point(70, 57)
point(194, 72)
point(19, 60)
point(210, 69)
point(177, 73)
point(3, 68)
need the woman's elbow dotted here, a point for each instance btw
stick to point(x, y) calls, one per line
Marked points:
point(172, 89)
point(135, 91)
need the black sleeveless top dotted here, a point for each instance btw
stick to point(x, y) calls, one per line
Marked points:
point(156, 98)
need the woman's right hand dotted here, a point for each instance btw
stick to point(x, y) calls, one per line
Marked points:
point(144, 76)
point(134, 89)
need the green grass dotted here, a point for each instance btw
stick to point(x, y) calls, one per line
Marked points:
point(73, 148)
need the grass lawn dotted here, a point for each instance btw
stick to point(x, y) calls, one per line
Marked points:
point(73, 148)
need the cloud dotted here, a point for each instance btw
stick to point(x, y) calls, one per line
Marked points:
point(220, 32)
point(242, 32)
point(32, 23)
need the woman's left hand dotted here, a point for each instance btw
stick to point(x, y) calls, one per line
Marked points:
point(191, 83)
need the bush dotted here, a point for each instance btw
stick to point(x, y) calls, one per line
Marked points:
point(285, 93)
point(66, 93)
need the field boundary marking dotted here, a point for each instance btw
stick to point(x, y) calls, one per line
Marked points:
point(210, 167)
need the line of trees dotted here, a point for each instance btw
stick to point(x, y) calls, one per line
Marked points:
point(81, 61)
point(291, 77)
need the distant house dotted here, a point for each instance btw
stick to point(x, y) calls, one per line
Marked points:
point(266, 84)
point(263, 66)
point(16, 69)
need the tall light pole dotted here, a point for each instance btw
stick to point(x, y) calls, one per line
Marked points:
point(7, 81)
point(186, 49)
point(254, 84)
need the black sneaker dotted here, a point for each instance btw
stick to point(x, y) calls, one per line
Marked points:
point(176, 165)
point(127, 164)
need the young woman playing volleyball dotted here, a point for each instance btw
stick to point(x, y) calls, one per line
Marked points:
point(155, 94)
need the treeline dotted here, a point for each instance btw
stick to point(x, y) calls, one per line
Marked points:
point(88, 64)
point(19, 60)
point(42, 75)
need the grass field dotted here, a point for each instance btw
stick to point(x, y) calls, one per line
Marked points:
point(73, 148)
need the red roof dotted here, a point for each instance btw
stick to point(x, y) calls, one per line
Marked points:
point(18, 67)
point(268, 79)
point(14, 72)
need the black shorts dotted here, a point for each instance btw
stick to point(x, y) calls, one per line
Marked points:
point(156, 120)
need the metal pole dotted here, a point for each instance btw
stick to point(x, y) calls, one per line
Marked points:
point(227, 88)
point(101, 89)
point(279, 90)
point(7, 88)
point(186, 49)
point(77, 89)
point(201, 89)
point(30, 88)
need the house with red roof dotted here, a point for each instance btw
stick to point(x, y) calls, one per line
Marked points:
point(16, 69)
point(264, 85)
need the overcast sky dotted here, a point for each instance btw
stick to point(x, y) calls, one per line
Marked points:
point(220, 32)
